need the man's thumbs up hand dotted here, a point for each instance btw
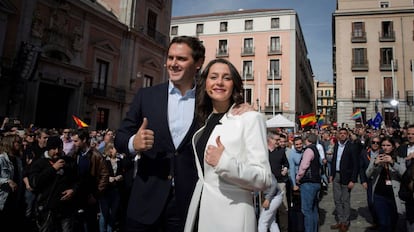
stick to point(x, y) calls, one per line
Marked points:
point(144, 138)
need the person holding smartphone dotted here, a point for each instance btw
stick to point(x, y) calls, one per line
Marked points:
point(386, 171)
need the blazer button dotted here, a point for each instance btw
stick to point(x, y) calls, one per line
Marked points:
point(176, 153)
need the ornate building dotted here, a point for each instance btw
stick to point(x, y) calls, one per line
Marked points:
point(79, 57)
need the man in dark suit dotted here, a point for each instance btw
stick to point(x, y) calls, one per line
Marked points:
point(344, 174)
point(159, 126)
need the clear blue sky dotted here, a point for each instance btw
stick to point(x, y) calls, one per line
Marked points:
point(315, 18)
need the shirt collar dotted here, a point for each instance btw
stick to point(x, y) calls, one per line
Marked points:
point(173, 90)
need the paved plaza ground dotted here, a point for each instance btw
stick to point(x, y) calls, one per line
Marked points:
point(360, 216)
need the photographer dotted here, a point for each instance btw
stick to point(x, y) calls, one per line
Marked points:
point(54, 178)
point(386, 171)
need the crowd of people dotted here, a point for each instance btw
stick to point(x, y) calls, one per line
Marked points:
point(191, 156)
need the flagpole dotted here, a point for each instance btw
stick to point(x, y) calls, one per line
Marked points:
point(273, 90)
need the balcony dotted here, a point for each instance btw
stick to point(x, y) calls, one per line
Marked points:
point(269, 109)
point(247, 51)
point(360, 96)
point(386, 96)
point(409, 95)
point(222, 52)
point(248, 76)
point(358, 37)
point(387, 36)
point(386, 66)
point(359, 66)
point(273, 74)
point(158, 37)
point(274, 50)
point(111, 93)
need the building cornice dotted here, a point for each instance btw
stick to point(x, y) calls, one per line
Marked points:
point(374, 12)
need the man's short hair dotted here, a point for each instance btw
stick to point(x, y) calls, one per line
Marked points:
point(312, 138)
point(194, 43)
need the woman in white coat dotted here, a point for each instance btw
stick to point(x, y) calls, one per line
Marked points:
point(231, 155)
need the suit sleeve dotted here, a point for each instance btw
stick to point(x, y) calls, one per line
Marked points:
point(362, 176)
point(130, 124)
point(355, 163)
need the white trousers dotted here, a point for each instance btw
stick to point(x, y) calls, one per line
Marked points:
point(267, 218)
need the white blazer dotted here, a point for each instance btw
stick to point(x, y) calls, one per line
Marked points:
point(223, 194)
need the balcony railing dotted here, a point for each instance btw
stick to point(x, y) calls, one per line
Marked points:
point(409, 94)
point(274, 74)
point(359, 66)
point(385, 66)
point(360, 96)
point(387, 36)
point(387, 96)
point(274, 50)
point(269, 109)
point(358, 37)
point(247, 76)
point(157, 36)
point(247, 51)
point(222, 52)
point(93, 89)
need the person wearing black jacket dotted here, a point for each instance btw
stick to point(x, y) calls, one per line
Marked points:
point(54, 179)
point(344, 175)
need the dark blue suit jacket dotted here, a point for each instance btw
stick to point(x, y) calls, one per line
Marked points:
point(158, 165)
point(349, 164)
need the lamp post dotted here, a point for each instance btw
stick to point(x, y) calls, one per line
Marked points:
point(394, 101)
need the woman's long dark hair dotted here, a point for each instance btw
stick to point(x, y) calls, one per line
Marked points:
point(204, 105)
point(390, 140)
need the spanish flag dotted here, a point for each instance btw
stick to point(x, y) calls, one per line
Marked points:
point(307, 119)
point(79, 122)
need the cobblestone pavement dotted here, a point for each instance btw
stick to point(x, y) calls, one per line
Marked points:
point(360, 216)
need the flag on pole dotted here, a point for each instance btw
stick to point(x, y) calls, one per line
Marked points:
point(357, 114)
point(321, 120)
point(377, 121)
point(79, 122)
point(307, 119)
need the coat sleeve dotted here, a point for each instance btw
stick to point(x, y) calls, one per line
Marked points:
point(253, 173)
point(129, 125)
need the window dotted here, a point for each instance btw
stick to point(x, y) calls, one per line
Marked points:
point(248, 25)
point(359, 59)
point(358, 29)
point(386, 57)
point(358, 32)
point(319, 102)
point(360, 87)
point(384, 4)
point(222, 51)
point(387, 31)
point(200, 28)
point(147, 82)
point(101, 78)
point(248, 46)
point(102, 117)
point(275, 44)
point(248, 70)
point(223, 26)
point(274, 23)
point(174, 30)
point(247, 93)
point(320, 93)
point(274, 71)
point(151, 24)
point(388, 88)
point(328, 93)
point(359, 56)
point(274, 95)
